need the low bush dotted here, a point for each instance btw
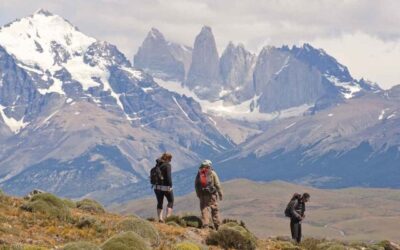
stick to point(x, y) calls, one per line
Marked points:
point(331, 246)
point(69, 203)
point(49, 205)
point(311, 243)
point(126, 241)
point(172, 223)
point(90, 206)
point(230, 221)
point(85, 222)
point(231, 235)
point(81, 245)
point(178, 220)
point(186, 246)
point(192, 221)
point(142, 227)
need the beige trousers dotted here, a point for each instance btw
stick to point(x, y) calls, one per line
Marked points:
point(209, 202)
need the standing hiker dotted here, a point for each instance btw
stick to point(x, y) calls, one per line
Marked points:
point(295, 210)
point(208, 190)
point(161, 180)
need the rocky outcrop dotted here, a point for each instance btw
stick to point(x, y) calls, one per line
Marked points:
point(203, 75)
point(161, 58)
point(236, 69)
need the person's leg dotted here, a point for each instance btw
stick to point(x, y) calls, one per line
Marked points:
point(215, 211)
point(299, 234)
point(204, 200)
point(170, 199)
point(297, 226)
point(160, 200)
point(292, 229)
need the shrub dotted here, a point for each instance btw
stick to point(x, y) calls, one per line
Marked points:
point(85, 222)
point(331, 246)
point(178, 220)
point(186, 246)
point(90, 206)
point(231, 235)
point(386, 245)
point(69, 203)
point(81, 245)
point(230, 221)
point(311, 243)
point(172, 223)
point(192, 221)
point(142, 227)
point(22, 247)
point(126, 241)
point(47, 204)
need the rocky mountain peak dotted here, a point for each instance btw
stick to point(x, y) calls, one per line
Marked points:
point(155, 34)
point(203, 75)
point(43, 12)
point(161, 58)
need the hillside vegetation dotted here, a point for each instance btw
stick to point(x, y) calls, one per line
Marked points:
point(345, 214)
point(48, 222)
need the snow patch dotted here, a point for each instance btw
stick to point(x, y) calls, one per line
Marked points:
point(183, 111)
point(136, 73)
point(14, 125)
point(248, 110)
point(291, 125)
point(330, 115)
point(349, 89)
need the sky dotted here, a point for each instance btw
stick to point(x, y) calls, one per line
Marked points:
point(364, 35)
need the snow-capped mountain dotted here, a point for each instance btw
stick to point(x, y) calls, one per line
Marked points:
point(356, 143)
point(74, 108)
point(277, 81)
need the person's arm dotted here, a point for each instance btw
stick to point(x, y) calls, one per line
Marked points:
point(217, 184)
point(168, 175)
point(293, 210)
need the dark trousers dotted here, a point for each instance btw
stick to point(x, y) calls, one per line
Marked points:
point(295, 229)
point(160, 198)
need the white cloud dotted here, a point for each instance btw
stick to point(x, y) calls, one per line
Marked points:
point(345, 28)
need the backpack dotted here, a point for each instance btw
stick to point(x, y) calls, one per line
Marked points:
point(289, 206)
point(206, 182)
point(156, 176)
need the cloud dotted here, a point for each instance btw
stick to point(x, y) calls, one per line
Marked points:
point(335, 25)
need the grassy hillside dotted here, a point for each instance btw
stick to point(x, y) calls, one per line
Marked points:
point(45, 221)
point(344, 214)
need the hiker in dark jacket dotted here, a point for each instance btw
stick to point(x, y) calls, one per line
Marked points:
point(297, 209)
point(164, 187)
point(208, 190)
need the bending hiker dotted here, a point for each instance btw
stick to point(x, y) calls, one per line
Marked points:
point(160, 177)
point(208, 190)
point(295, 210)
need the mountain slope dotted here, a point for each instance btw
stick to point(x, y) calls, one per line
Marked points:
point(356, 143)
point(121, 118)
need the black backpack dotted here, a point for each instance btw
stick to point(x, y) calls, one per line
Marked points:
point(156, 176)
point(289, 206)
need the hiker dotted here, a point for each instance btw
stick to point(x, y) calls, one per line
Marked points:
point(208, 190)
point(161, 180)
point(295, 210)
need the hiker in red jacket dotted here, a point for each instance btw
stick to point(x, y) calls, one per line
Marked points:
point(208, 190)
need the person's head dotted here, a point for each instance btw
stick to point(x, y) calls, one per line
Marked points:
point(166, 157)
point(305, 197)
point(206, 164)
